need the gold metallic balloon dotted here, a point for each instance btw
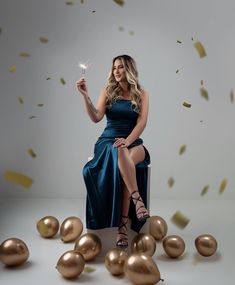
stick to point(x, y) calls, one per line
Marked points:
point(13, 252)
point(115, 260)
point(206, 245)
point(48, 226)
point(140, 269)
point(89, 245)
point(71, 229)
point(70, 264)
point(143, 243)
point(158, 227)
point(174, 246)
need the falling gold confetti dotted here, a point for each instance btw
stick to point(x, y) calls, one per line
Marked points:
point(200, 49)
point(32, 117)
point(89, 269)
point(43, 40)
point(204, 93)
point(119, 2)
point(40, 105)
point(223, 185)
point(69, 2)
point(179, 42)
point(185, 104)
point(231, 96)
point(182, 149)
point(24, 54)
point(18, 178)
point(204, 190)
point(177, 71)
point(48, 78)
point(12, 69)
point(62, 81)
point(121, 29)
point(131, 33)
point(202, 82)
point(82, 1)
point(171, 182)
point(179, 220)
point(32, 153)
point(20, 99)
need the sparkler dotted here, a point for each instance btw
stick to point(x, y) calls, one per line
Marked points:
point(83, 67)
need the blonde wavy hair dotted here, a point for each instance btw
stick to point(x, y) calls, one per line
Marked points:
point(113, 88)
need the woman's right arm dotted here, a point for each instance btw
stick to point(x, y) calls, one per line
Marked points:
point(95, 113)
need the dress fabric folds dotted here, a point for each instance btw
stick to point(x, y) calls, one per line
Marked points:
point(101, 174)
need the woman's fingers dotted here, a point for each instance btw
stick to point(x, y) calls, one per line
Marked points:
point(119, 142)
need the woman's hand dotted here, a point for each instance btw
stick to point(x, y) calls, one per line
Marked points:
point(81, 86)
point(121, 142)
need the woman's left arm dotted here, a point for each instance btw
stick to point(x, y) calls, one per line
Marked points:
point(141, 121)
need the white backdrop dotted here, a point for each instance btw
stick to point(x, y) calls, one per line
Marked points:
point(61, 133)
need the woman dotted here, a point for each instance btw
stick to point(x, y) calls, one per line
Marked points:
point(110, 177)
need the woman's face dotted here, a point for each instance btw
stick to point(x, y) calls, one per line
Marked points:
point(119, 70)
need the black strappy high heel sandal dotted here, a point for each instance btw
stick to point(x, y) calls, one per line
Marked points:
point(142, 215)
point(122, 241)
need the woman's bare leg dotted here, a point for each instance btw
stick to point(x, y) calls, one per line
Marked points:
point(127, 159)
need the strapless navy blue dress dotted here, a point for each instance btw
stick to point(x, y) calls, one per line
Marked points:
point(101, 174)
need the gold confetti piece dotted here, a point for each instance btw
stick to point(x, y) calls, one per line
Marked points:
point(231, 96)
point(131, 33)
point(43, 40)
point(223, 185)
point(82, 1)
point(40, 105)
point(179, 220)
point(12, 68)
point(204, 190)
point(185, 104)
point(182, 149)
point(179, 42)
point(24, 54)
point(62, 81)
point(204, 93)
point(177, 71)
point(18, 178)
point(20, 99)
point(202, 82)
point(200, 49)
point(69, 2)
point(89, 269)
point(32, 153)
point(32, 117)
point(119, 2)
point(121, 29)
point(48, 78)
point(171, 182)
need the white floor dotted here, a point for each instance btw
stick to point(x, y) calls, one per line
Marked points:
point(18, 218)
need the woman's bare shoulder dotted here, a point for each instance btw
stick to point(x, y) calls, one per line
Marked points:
point(144, 94)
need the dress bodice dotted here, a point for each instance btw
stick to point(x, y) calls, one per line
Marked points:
point(121, 119)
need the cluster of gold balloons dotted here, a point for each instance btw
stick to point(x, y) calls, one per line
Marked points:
point(70, 229)
point(139, 267)
point(86, 248)
point(174, 245)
